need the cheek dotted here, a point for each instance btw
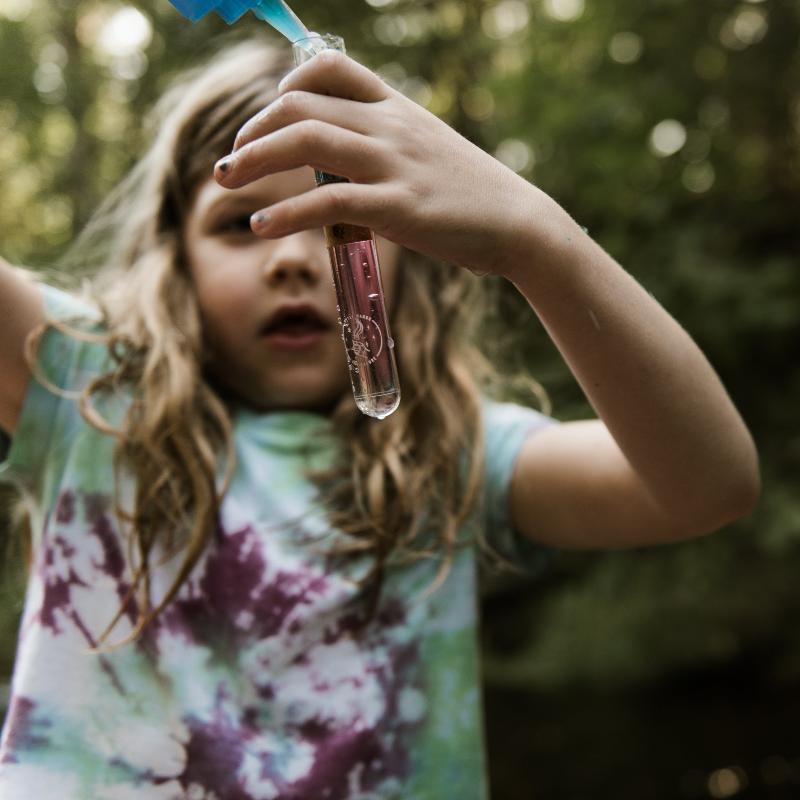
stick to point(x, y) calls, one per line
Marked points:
point(224, 294)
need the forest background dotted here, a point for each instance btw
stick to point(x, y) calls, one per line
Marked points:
point(671, 130)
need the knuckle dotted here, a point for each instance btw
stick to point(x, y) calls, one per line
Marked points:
point(249, 130)
point(291, 104)
point(243, 135)
point(311, 132)
point(338, 199)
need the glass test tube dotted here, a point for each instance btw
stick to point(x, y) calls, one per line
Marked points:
point(359, 292)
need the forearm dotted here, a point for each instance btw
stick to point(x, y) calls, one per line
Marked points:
point(642, 373)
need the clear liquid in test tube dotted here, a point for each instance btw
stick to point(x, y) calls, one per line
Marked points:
point(359, 292)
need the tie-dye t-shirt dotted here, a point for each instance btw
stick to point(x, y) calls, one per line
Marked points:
point(254, 683)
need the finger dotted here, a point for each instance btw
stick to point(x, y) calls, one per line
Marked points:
point(335, 74)
point(310, 143)
point(331, 204)
point(296, 106)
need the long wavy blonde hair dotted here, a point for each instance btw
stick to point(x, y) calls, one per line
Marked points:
point(178, 431)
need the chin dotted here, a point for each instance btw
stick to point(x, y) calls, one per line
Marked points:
point(311, 394)
point(322, 400)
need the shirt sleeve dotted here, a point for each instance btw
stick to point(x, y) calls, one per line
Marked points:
point(42, 435)
point(506, 428)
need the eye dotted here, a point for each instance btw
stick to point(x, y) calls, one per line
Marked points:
point(236, 225)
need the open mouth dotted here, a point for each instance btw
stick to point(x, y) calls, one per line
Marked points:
point(295, 328)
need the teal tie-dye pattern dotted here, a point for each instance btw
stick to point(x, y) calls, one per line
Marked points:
point(255, 683)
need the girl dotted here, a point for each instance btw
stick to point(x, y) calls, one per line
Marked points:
point(240, 586)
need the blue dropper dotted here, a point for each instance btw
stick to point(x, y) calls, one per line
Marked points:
point(282, 18)
point(276, 12)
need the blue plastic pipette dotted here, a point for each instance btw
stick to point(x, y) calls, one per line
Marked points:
point(276, 12)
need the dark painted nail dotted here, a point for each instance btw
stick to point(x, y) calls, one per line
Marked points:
point(224, 165)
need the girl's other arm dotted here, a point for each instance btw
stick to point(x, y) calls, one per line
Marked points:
point(21, 310)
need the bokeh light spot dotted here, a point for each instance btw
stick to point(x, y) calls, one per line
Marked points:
point(564, 10)
point(515, 154)
point(727, 782)
point(505, 19)
point(478, 103)
point(698, 178)
point(126, 32)
point(625, 47)
point(667, 138)
point(15, 10)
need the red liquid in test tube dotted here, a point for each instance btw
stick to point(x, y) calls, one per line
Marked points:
point(365, 327)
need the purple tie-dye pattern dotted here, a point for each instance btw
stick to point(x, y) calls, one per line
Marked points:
point(56, 604)
point(58, 554)
point(60, 573)
point(65, 507)
point(231, 603)
point(373, 755)
point(24, 731)
point(214, 754)
point(342, 757)
point(96, 509)
point(237, 600)
point(217, 749)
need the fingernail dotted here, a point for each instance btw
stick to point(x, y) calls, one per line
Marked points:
point(260, 219)
point(224, 165)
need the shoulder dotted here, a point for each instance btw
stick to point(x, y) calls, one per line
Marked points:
point(29, 305)
point(65, 305)
point(506, 428)
point(73, 346)
point(505, 416)
point(69, 353)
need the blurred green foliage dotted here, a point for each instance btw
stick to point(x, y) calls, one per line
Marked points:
point(670, 129)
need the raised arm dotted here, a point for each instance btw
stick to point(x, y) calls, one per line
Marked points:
point(21, 310)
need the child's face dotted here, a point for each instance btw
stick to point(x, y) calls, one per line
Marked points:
point(241, 280)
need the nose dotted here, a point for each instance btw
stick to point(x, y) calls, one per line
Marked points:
point(298, 257)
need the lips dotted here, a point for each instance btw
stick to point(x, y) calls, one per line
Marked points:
point(298, 325)
point(295, 319)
